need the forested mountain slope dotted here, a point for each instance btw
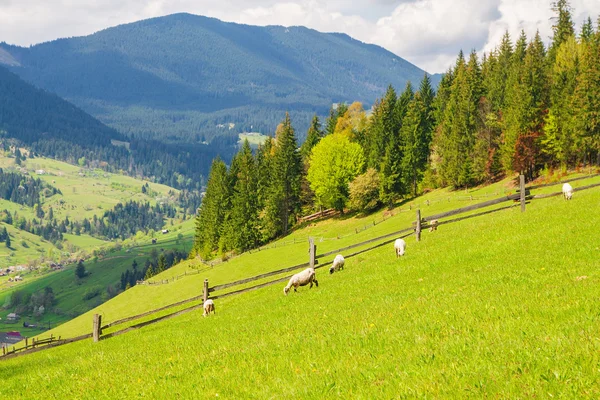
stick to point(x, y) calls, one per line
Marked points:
point(54, 127)
point(185, 77)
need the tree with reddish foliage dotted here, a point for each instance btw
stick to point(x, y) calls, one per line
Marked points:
point(526, 154)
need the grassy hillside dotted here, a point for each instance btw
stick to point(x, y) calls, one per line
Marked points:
point(503, 305)
point(285, 253)
point(85, 191)
point(70, 292)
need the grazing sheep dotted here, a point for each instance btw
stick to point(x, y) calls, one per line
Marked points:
point(400, 247)
point(209, 306)
point(302, 279)
point(433, 224)
point(567, 191)
point(338, 263)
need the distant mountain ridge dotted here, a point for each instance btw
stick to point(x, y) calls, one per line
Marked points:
point(178, 77)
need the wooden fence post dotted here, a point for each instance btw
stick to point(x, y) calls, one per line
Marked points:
point(205, 290)
point(97, 327)
point(522, 191)
point(418, 230)
point(312, 252)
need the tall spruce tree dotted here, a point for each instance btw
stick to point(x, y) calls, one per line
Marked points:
point(211, 214)
point(240, 230)
point(391, 180)
point(563, 27)
point(587, 95)
point(313, 136)
point(516, 105)
point(283, 202)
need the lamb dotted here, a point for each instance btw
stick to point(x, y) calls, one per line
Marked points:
point(338, 264)
point(400, 247)
point(302, 279)
point(209, 306)
point(567, 191)
point(433, 224)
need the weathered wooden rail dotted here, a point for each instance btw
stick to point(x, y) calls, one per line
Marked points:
point(420, 223)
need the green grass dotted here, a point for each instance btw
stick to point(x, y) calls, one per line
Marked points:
point(84, 242)
point(69, 290)
point(85, 193)
point(500, 306)
point(24, 247)
point(254, 138)
point(284, 255)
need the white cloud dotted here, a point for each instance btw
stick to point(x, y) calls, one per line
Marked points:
point(428, 33)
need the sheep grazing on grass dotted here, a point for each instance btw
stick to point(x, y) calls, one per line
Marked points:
point(338, 263)
point(433, 224)
point(302, 279)
point(209, 306)
point(567, 191)
point(400, 247)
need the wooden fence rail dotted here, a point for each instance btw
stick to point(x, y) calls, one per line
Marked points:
point(42, 344)
point(562, 182)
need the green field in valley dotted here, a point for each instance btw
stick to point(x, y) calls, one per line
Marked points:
point(503, 305)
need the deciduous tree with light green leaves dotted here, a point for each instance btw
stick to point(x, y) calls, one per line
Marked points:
point(334, 163)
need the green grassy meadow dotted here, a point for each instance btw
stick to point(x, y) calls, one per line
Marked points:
point(499, 306)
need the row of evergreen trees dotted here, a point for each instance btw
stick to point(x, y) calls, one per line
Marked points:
point(519, 109)
point(122, 222)
point(152, 266)
point(23, 190)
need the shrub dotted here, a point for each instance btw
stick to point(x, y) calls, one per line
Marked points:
point(92, 292)
point(364, 191)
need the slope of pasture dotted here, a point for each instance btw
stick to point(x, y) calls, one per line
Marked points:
point(499, 306)
point(140, 299)
point(24, 246)
point(69, 290)
point(86, 192)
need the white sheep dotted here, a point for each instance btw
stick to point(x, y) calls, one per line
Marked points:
point(209, 306)
point(433, 224)
point(338, 263)
point(567, 191)
point(302, 279)
point(399, 247)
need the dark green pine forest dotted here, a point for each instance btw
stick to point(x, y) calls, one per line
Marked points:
point(523, 108)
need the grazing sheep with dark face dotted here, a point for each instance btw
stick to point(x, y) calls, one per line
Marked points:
point(433, 224)
point(302, 279)
point(399, 247)
point(338, 264)
point(209, 306)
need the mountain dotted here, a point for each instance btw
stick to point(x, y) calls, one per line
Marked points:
point(56, 128)
point(188, 78)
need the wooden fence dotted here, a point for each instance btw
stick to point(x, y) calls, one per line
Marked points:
point(209, 292)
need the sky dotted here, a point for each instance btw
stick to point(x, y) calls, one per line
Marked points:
point(428, 33)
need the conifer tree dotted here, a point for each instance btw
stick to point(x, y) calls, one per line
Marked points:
point(392, 182)
point(563, 27)
point(586, 102)
point(162, 263)
point(382, 127)
point(314, 134)
point(516, 107)
point(211, 213)
point(240, 231)
point(149, 272)
point(283, 201)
